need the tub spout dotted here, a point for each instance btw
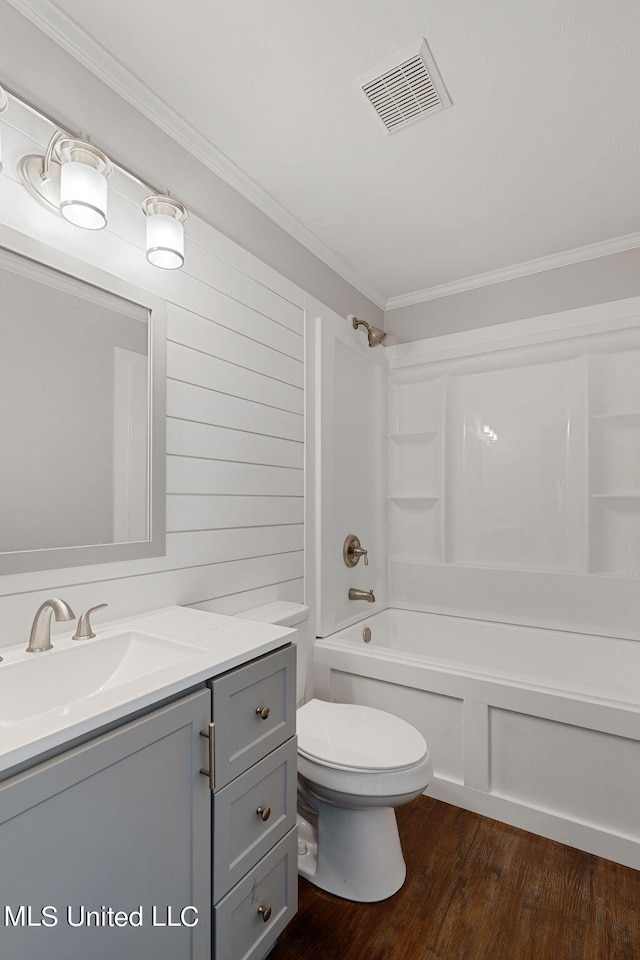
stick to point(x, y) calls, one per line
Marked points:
point(355, 594)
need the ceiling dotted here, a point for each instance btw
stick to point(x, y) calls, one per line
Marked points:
point(539, 153)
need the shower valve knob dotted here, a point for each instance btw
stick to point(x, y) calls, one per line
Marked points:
point(353, 550)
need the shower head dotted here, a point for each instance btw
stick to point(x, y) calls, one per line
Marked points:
point(375, 335)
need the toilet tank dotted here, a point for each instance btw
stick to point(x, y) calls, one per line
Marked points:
point(296, 616)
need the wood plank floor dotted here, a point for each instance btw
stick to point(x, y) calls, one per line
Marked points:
point(476, 889)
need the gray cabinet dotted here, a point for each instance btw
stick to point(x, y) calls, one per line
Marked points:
point(106, 850)
point(119, 823)
point(254, 805)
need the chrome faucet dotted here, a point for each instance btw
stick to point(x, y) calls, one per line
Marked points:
point(355, 594)
point(40, 638)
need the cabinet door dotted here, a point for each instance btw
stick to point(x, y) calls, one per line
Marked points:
point(254, 711)
point(121, 823)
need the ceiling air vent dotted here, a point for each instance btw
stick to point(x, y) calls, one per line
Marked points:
point(405, 88)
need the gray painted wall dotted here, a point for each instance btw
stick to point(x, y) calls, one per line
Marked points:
point(614, 277)
point(41, 71)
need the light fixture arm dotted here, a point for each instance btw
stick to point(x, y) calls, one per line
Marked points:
point(49, 152)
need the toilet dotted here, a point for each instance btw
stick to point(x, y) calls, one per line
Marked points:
point(355, 765)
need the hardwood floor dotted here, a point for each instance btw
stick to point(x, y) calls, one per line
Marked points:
point(476, 889)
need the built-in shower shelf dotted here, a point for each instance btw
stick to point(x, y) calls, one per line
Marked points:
point(616, 496)
point(631, 418)
point(416, 500)
point(420, 560)
point(413, 437)
point(415, 467)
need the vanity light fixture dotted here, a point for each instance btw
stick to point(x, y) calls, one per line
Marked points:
point(4, 103)
point(70, 179)
point(165, 231)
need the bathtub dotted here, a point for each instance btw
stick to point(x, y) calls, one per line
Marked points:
point(536, 728)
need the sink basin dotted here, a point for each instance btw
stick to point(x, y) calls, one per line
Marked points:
point(54, 680)
point(50, 699)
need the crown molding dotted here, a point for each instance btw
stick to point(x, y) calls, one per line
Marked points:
point(64, 31)
point(567, 257)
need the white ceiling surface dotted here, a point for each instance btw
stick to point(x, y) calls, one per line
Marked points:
point(539, 153)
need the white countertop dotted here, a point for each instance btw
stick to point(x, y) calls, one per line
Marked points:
point(212, 644)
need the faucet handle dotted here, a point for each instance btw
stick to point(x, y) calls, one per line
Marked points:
point(84, 631)
point(353, 550)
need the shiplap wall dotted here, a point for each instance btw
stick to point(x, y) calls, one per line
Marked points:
point(235, 416)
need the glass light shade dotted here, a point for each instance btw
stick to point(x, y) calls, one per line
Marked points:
point(83, 185)
point(165, 232)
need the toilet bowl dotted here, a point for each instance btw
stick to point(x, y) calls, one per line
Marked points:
point(355, 764)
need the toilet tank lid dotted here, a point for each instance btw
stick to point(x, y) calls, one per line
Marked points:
point(350, 736)
point(282, 612)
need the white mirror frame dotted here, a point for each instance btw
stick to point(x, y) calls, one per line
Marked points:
point(48, 559)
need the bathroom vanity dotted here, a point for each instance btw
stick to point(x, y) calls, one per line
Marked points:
point(152, 815)
point(253, 777)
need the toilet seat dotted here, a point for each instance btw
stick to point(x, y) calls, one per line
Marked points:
point(357, 739)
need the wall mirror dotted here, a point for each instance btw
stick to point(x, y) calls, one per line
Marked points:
point(82, 417)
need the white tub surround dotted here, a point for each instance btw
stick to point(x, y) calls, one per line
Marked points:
point(92, 683)
point(514, 457)
point(350, 483)
point(537, 728)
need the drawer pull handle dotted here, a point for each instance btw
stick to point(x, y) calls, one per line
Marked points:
point(265, 913)
point(210, 735)
point(263, 712)
point(264, 813)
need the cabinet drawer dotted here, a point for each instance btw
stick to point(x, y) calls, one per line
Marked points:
point(269, 891)
point(254, 711)
point(240, 834)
